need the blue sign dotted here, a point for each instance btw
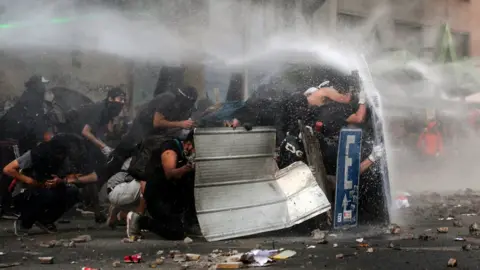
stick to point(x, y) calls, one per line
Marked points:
point(348, 173)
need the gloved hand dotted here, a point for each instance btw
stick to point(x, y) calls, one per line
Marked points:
point(362, 97)
point(377, 153)
point(107, 150)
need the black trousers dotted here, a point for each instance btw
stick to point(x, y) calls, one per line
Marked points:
point(45, 205)
point(170, 217)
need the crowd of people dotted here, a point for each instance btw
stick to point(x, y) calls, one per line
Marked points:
point(50, 166)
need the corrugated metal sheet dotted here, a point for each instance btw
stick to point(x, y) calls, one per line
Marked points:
point(239, 190)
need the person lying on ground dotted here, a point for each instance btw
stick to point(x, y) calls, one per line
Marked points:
point(47, 181)
point(168, 192)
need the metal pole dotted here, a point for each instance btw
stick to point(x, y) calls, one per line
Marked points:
point(246, 19)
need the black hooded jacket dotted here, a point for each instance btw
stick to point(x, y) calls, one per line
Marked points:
point(26, 120)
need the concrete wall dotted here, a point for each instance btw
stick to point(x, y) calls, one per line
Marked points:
point(91, 78)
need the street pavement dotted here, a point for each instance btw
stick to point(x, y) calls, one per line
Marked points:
point(388, 251)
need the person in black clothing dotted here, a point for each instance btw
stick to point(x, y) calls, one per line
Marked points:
point(21, 128)
point(92, 122)
point(46, 177)
point(162, 118)
point(168, 191)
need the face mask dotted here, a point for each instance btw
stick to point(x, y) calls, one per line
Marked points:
point(114, 108)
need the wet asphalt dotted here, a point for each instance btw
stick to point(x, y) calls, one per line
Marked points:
point(388, 251)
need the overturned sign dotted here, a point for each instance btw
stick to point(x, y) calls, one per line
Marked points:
point(239, 190)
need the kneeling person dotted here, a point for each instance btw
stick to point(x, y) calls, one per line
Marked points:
point(47, 179)
point(124, 193)
point(168, 192)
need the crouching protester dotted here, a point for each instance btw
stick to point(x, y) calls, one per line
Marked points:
point(168, 192)
point(125, 194)
point(47, 179)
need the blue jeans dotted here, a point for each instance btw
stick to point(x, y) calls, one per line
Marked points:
point(47, 205)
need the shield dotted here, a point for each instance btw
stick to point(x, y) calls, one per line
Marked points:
point(239, 190)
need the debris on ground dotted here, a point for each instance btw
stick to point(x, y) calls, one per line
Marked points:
point(311, 247)
point(335, 245)
point(8, 265)
point(467, 247)
point(391, 245)
point(136, 258)
point(160, 253)
point(172, 253)
point(159, 261)
point(457, 223)
point(318, 235)
point(284, 255)
point(339, 256)
point(116, 264)
point(82, 239)
point(188, 240)
point(192, 257)
point(363, 245)
point(230, 265)
point(179, 258)
point(359, 240)
point(474, 228)
point(46, 260)
point(426, 237)
point(47, 245)
point(442, 230)
point(369, 250)
point(452, 262)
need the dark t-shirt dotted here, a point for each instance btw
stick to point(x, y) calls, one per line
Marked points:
point(334, 117)
point(165, 104)
point(91, 114)
point(158, 187)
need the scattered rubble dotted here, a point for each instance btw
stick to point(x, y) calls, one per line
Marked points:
point(457, 223)
point(369, 250)
point(136, 258)
point(230, 265)
point(82, 239)
point(8, 265)
point(160, 253)
point(474, 228)
point(452, 262)
point(442, 230)
point(187, 240)
point(46, 260)
point(339, 256)
point(467, 247)
point(116, 264)
point(426, 237)
point(318, 235)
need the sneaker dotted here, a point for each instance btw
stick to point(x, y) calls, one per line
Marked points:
point(19, 230)
point(133, 226)
point(47, 227)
